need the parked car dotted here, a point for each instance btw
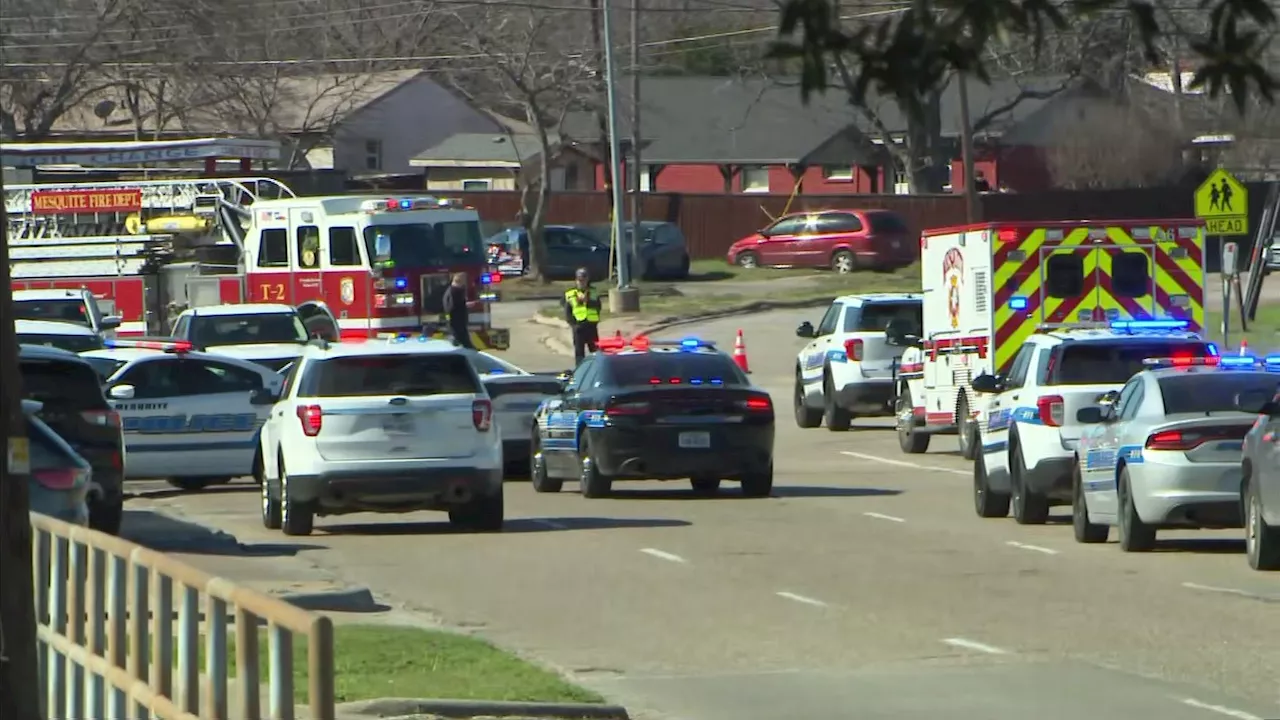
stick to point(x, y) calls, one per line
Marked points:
point(69, 336)
point(662, 253)
point(72, 403)
point(843, 240)
point(60, 478)
point(73, 306)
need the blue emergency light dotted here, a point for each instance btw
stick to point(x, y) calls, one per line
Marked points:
point(690, 343)
point(486, 279)
point(1211, 348)
point(406, 204)
point(402, 283)
point(1149, 325)
point(1272, 361)
point(1229, 361)
point(1018, 303)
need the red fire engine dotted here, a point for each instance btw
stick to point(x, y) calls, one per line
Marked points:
point(379, 265)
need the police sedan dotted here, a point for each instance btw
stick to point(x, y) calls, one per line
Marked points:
point(1164, 451)
point(644, 409)
point(191, 418)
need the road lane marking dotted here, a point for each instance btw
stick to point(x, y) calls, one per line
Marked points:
point(663, 555)
point(1229, 591)
point(882, 516)
point(975, 645)
point(904, 463)
point(800, 598)
point(1220, 709)
point(549, 523)
point(1032, 548)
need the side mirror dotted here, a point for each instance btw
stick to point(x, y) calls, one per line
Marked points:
point(1091, 415)
point(110, 322)
point(1257, 402)
point(805, 330)
point(987, 383)
point(121, 392)
point(263, 396)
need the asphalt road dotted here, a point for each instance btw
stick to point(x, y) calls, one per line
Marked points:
point(866, 588)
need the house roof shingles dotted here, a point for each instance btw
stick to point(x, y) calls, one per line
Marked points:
point(480, 150)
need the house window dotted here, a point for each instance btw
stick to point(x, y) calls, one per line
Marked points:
point(372, 154)
point(837, 172)
point(571, 176)
point(901, 180)
point(646, 178)
point(755, 179)
point(477, 184)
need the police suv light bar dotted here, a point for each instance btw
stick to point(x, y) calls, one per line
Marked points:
point(171, 346)
point(428, 202)
point(1183, 361)
point(1149, 325)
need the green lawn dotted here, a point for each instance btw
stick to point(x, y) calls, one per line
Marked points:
point(379, 661)
point(1263, 333)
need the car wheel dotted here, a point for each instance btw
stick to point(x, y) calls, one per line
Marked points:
point(748, 260)
point(1029, 507)
point(538, 475)
point(296, 518)
point(1262, 542)
point(484, 513)
point(1135, 535)
point(1085, 531)
point(836, 417)
point(191, 484)
point(704, 485)
point(844, 262)
point(106, 516)
point(271, 510)
point(987, 502)
point(758, 484)
point(910, 439)
point(806, 417)
point(592, 483)
point(968, 435)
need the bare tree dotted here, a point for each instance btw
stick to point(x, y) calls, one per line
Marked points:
point(1114, 146)
point(537, 68)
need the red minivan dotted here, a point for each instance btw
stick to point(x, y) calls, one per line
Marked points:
point(843, 240)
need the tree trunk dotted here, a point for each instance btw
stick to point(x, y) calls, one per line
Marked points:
point(20, 687)
point(928, 162)
point(534, 219)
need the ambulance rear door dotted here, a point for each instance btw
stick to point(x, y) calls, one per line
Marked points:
point(1095, 273)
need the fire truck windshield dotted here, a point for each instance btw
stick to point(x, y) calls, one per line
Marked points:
point(70, 310)
point(215, 330)
point(429, 245)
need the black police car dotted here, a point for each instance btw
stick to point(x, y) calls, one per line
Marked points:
point(655, 410)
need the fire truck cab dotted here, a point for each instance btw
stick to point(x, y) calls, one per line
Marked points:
point(990, 287)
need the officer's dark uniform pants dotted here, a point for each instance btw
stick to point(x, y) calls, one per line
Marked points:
point(585, 336)
point(462, 336)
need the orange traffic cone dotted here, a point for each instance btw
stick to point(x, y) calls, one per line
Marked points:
point(1244, 346)
point(740, 353)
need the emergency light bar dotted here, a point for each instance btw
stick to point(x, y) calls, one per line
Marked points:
point(1149, 325)
point(1182, 361)
point(490, 279)
point(170, 346)
point(427, 202)
point(642, 342)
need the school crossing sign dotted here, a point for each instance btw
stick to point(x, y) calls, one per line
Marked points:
point(1223, 203)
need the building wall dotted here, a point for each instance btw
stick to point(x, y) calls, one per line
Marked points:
point(411, 118)
point(456, 179)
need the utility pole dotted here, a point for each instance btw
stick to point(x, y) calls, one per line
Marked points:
point(637, 199)
point(20, 685)
point(966, 152)
point(624, 298)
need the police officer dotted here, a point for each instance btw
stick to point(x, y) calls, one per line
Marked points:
point(455, 306)
point(582, 312)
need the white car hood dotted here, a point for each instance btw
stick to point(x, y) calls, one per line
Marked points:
point(253, 353)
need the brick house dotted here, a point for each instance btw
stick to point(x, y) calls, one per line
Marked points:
point(725, 135)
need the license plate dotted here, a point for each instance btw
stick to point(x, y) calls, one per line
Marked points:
point(398, 424)
point(1230, 446)
point(695, 440)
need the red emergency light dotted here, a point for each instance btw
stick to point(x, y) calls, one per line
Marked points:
point(617, 342)
point(170, 346)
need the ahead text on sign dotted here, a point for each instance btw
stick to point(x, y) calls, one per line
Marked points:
point(1226, 225)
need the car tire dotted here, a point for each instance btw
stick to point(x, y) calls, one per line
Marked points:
point(806, 417)
point(272, 516)
point(844, 262)
point(747, 260)
point(106, 518)
point(837, 419)
point(1084, 531)
point(538, 475)
point(483, 513)
point(258, 471)
point(683, 272)
point(1261, 541)
point(1029, 507)
point(704, 485)
point(194, 484)
point(910, 440)
point(758, 484)
point(968, 438)
point(592, 483)
point(296, 518)
point(1135, 535)
point(987, 503)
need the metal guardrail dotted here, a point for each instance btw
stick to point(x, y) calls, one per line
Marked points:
point(110, 612)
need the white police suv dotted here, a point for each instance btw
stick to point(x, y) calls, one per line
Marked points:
point(1029, 429)
point(391, 426)
point(268, 334)
point(847, 369)
point(189, 417)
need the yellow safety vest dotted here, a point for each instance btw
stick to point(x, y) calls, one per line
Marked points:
point(582, 311)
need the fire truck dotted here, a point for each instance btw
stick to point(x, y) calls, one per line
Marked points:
point(988, 287)
point(151, 248)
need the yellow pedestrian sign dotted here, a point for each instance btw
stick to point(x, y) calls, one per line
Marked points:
point(1223, 203)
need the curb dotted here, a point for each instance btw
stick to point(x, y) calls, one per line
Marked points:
point(402, 707)
point(538, 319)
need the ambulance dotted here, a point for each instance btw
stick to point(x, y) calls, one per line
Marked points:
point(988, 287)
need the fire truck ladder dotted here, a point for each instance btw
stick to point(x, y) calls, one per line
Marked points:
point(224, 202)
point(1260, 252)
